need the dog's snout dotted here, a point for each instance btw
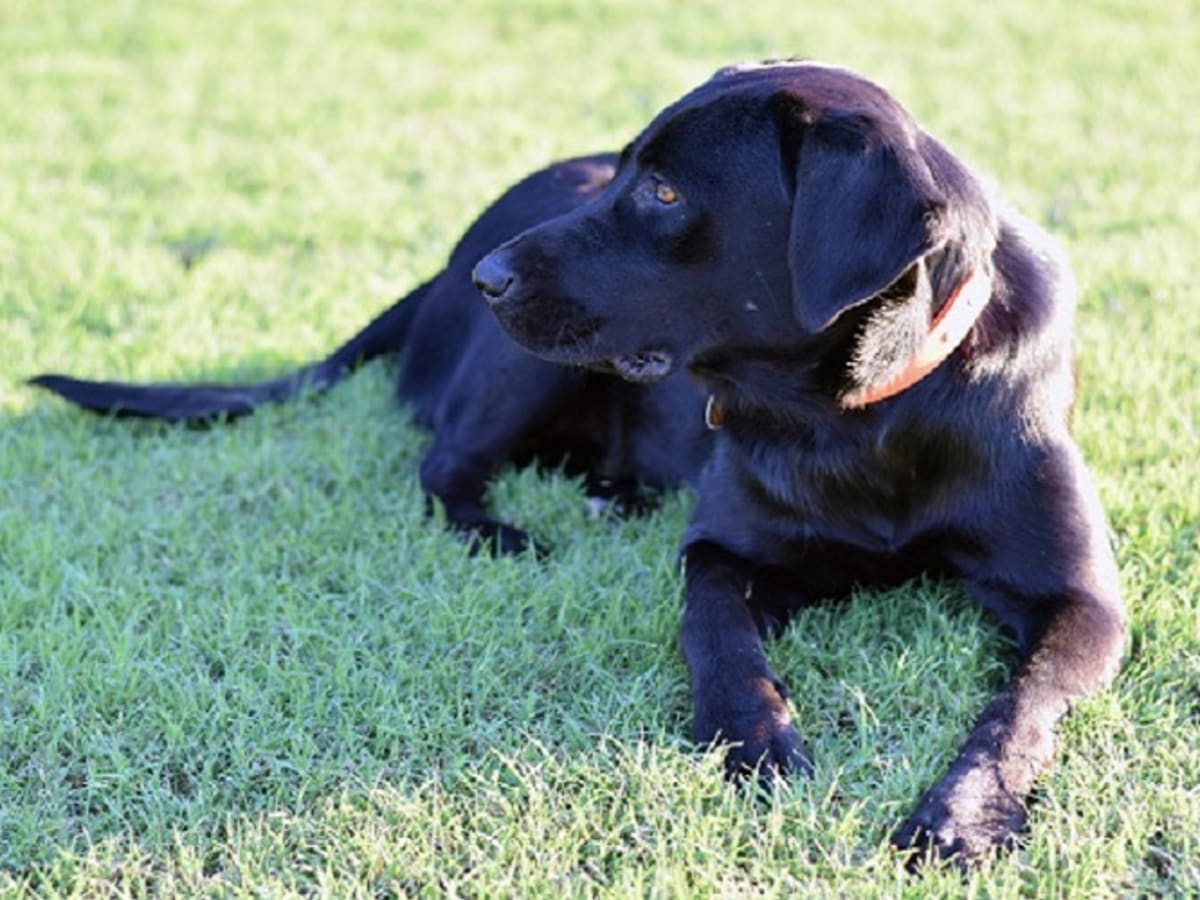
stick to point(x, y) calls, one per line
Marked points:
point(493, 276)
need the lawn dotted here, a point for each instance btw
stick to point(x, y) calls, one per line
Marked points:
point(239, 661)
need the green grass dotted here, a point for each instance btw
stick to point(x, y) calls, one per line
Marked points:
point(239, 662)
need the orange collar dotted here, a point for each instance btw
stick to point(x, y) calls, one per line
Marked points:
point(947, 330)
point(714, 413)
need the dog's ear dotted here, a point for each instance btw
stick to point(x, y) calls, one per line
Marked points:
point(864, 209)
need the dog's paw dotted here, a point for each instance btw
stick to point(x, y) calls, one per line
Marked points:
point(756, 728)
point(620, 498)
point(773, 753)
point(963, 818)
point(627, 506)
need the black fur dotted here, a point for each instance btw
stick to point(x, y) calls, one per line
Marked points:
point(813, 233)
point(487, 400)
point(786, 233)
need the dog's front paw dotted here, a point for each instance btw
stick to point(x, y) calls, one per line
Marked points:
point(964, 817)
point(756, 726)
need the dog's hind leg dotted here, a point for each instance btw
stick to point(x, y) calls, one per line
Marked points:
point(457, 478)
point(491, 408)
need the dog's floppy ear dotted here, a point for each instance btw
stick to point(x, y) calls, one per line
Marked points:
point(864, 209)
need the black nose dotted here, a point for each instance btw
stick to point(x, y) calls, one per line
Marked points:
point(493, 276)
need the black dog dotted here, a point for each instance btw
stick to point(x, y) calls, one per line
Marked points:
point(886, 350)
point(487, 400)
point(887, 347)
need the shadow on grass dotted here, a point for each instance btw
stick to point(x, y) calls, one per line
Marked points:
point(207, 632)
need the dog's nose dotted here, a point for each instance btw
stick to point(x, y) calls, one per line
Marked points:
point(493, 276)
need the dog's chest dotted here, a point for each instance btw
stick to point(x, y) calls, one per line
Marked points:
point(878, 490)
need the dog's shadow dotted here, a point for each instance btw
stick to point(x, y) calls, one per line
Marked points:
point(292, 546)
point(245, 612)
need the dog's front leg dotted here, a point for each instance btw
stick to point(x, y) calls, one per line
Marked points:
point(1070, 623)
point(737, 699)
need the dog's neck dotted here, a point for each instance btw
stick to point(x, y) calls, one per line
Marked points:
point(946, 332)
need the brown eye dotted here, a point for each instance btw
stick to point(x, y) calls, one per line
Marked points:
point(665, 194)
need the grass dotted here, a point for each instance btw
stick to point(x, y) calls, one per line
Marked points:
point(239, 662)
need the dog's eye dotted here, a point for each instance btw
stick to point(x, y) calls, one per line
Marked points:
point(653, 193)
point(665, 194)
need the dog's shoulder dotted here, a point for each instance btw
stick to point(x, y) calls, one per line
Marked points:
point(1023, 344)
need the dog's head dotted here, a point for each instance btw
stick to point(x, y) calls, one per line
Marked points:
point(760, 212)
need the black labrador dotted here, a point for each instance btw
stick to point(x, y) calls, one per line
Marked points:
point(487, 400)
point(886, 349)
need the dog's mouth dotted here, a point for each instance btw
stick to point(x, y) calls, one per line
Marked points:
point(641, 368)
point(571, 340)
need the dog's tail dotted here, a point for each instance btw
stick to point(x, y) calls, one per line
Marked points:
point(200, 403)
